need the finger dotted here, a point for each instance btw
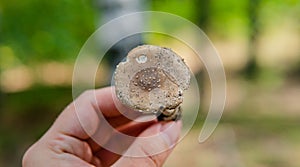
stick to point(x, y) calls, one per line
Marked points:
point(132, 128)
point(59, 153)
point(107, 128)
point(154, 147)
point(81, 118)
point(67, 144)
point(118, 121)
point(109, 104)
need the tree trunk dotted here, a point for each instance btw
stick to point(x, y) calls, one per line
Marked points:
point(252, 69)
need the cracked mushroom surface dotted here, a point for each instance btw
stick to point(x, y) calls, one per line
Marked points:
point(152, 80)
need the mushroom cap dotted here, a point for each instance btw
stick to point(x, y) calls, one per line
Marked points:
point(152, 79)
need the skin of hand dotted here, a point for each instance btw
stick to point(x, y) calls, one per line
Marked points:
point(68, 141)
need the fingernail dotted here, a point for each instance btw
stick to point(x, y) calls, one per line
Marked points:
point(171, 131)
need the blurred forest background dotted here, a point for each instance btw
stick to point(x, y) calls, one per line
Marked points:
point(258, 41)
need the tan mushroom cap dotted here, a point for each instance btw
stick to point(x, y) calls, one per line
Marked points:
point(152, 79)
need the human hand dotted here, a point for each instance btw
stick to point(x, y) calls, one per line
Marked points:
point(73, 139)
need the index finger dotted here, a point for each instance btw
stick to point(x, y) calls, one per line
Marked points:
point(82, 117)
point(108, 103)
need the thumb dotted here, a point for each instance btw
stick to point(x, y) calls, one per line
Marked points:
point(153, 146)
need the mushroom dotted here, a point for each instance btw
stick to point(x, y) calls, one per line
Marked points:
point(152, 81)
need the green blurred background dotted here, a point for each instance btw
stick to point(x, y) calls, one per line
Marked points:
point(258, 41)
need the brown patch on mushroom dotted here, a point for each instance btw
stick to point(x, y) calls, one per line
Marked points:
point(152, 80)
point(149, 78)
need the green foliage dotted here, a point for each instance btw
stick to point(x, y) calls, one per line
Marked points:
point(229, 18)
point(183, 8)
point(42, 30)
